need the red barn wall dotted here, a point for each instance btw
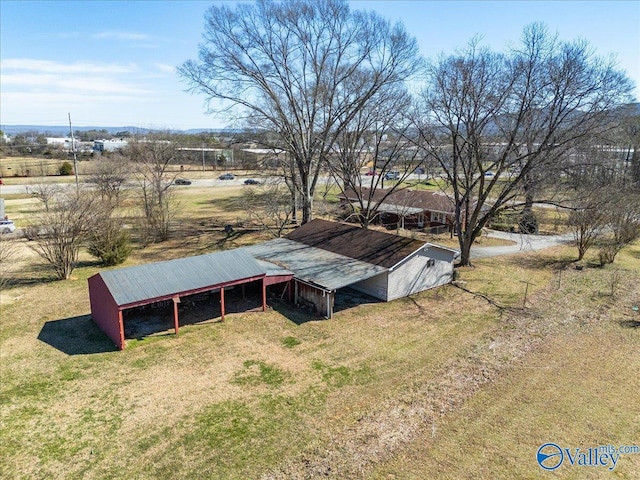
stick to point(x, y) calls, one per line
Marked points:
point(104, 310)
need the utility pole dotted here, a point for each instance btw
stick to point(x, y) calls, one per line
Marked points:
point(73, 149)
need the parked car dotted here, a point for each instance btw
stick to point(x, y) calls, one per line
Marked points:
point(488, 174)
point(392, 175)
point(227, 176)
point(371, 173)
point(7, 226)
point(181, 181)
point(251, 181)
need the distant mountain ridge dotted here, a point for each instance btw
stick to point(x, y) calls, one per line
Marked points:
point(64, 130)
point(634, 107)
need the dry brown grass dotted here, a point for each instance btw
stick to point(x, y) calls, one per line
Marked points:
point(577, 388)
point(388, 383)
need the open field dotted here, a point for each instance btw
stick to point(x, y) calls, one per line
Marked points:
point(445, 384)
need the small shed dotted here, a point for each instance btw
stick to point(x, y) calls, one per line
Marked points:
point(113, 291)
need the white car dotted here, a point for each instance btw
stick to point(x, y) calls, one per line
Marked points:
point(7, 226)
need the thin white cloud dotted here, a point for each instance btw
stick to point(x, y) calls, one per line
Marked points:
point(88, 84)
point(47, 66)
point(166, 68)
point(35, 89)
point(120, 35)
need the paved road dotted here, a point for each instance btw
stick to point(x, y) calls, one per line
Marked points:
point(523, 243)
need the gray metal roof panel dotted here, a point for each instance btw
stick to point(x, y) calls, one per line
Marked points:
point(314, 265)
point(173, 277)
point(273, 269)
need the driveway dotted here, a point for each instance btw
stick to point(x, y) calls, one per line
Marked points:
point(523, 243)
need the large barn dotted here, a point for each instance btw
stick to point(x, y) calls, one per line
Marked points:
point(112, 292)
point(313, 262)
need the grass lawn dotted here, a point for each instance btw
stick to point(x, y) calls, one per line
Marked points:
point(578, 388)
point(443, 384)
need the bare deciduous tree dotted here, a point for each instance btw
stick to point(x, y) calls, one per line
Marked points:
point(45, 192)
point(377, 138)
point(494, 119)
point(110, 175)
point(62, 229)
point(269, 205)
point(301, 69)
point(8, 252)
point(623, 223)
point(153, 162)
point(588, 219)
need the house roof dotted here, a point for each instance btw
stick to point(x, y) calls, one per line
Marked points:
point(160, 280)
point(313, 265)
point(391, 208)
point(377, 248)
point(406, 201)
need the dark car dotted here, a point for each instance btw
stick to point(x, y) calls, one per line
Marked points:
point(227, 176)
point(181, 181)
point(251, 181)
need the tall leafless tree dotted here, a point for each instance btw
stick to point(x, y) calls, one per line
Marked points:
point(302, 69)
point(512, 115)
point(154, 162)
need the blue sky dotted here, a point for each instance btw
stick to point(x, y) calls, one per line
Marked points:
point(111, 63)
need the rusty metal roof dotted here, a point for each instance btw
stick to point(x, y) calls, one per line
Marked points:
point(405, 201)
point(312, 265)
point(371, 246)
point(160, 280)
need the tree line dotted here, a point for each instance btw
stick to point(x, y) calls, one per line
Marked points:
point(138, 181)
point(338, 89)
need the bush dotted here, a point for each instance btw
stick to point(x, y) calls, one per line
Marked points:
point(112, 247)
point(504, 222)
point(66, 169)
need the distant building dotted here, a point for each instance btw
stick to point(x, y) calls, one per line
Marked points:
point(62, 142)
point(109, 145)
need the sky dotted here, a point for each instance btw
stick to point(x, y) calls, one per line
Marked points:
point(112, 63)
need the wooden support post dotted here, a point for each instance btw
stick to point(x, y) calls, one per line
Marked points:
point(222, 303)
point(121, 322)
point(264, 295)
point(176, 301)
point(290, 290)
